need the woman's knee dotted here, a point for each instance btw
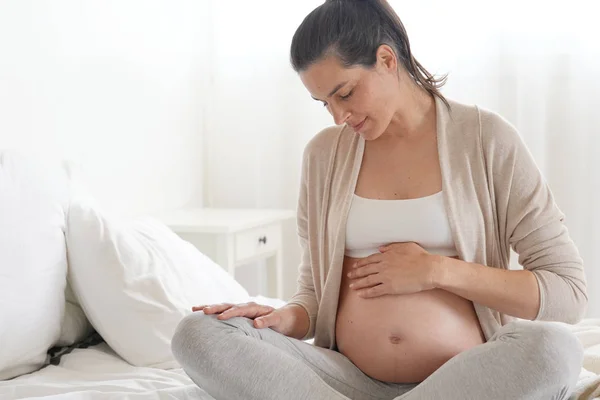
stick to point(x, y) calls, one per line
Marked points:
point(193, 334)
point(554, 349)
point(198, 334)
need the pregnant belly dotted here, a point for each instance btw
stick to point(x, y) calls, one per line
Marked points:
point(403, 338)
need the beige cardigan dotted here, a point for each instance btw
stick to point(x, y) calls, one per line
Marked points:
point(495, 198)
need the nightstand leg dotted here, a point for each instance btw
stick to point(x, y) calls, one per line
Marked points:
point(225, 253)
point(275, 275)
point(279, 274)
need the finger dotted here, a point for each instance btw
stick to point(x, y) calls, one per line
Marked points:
point(267, 320)
point(250, 310)
point(367, 282)
point(213, 308)
point(391, 246)
point(375, 291)
point(239, 310)
point(400, 246)
point(372, 259)
point(364, 271)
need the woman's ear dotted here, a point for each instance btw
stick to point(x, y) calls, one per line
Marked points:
point(386, 59)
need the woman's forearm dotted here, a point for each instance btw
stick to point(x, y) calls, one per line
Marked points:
point(515, 293)
point(299, 321)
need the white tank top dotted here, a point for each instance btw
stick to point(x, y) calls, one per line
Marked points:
point(373, 223)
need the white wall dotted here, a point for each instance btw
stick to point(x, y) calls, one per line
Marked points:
point(117, 86)
point(260, 115)
point(172, 103)
point(537, 72)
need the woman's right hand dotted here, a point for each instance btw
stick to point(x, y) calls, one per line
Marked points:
point(280, 320)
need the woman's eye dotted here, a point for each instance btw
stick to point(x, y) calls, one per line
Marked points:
point(347, 96)
point(325, 104)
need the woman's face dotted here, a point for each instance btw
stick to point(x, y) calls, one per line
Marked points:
point(363, 98)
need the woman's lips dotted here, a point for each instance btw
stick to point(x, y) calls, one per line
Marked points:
point(357, 127)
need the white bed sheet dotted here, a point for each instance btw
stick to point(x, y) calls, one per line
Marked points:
point(98, 373)
point(588, 385)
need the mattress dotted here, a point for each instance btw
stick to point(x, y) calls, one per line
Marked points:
point(98, 373)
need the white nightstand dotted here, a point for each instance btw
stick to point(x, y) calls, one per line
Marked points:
point(234, 237)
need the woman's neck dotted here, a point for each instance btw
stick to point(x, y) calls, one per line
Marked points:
point(413, 118)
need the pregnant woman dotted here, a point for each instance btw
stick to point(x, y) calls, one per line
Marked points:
point(408, 209)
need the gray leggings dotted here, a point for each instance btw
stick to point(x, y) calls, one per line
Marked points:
point(232, 360)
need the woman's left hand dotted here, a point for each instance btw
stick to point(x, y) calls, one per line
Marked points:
point(399, 268)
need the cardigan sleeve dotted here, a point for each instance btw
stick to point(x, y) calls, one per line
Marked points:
point(530, 222)
point(305, 295)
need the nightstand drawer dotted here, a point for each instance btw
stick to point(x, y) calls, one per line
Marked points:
point(258, 241)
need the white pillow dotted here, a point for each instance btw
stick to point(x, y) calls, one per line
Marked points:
point(33, 200)
point(136, 279)
point(75, 324)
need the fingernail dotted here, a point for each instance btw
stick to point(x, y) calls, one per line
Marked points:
point(352, 285)
point(349, 274)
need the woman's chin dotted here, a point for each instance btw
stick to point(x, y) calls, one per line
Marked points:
point(369, 135)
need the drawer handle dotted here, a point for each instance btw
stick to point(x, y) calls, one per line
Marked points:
point(262, 240)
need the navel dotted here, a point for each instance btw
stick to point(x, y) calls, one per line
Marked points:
point(395, 339)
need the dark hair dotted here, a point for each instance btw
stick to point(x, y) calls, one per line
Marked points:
point(353, 30)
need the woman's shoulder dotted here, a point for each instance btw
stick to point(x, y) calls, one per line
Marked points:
point(463, 111)
point(493, 129)
point(324, 142)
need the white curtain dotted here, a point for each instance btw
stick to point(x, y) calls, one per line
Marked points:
point(536, 63)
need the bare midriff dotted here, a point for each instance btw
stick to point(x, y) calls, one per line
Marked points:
point(403, 338)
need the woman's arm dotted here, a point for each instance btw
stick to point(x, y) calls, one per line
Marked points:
point(514, 293)
point(299, 321)
point(528, 221)
point(304, 301)
point(405, 268)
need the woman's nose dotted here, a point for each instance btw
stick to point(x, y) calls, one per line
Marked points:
point(340, 116)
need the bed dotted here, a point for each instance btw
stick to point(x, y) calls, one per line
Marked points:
point(588, 385)
point(94, 299)
point(98, 373)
